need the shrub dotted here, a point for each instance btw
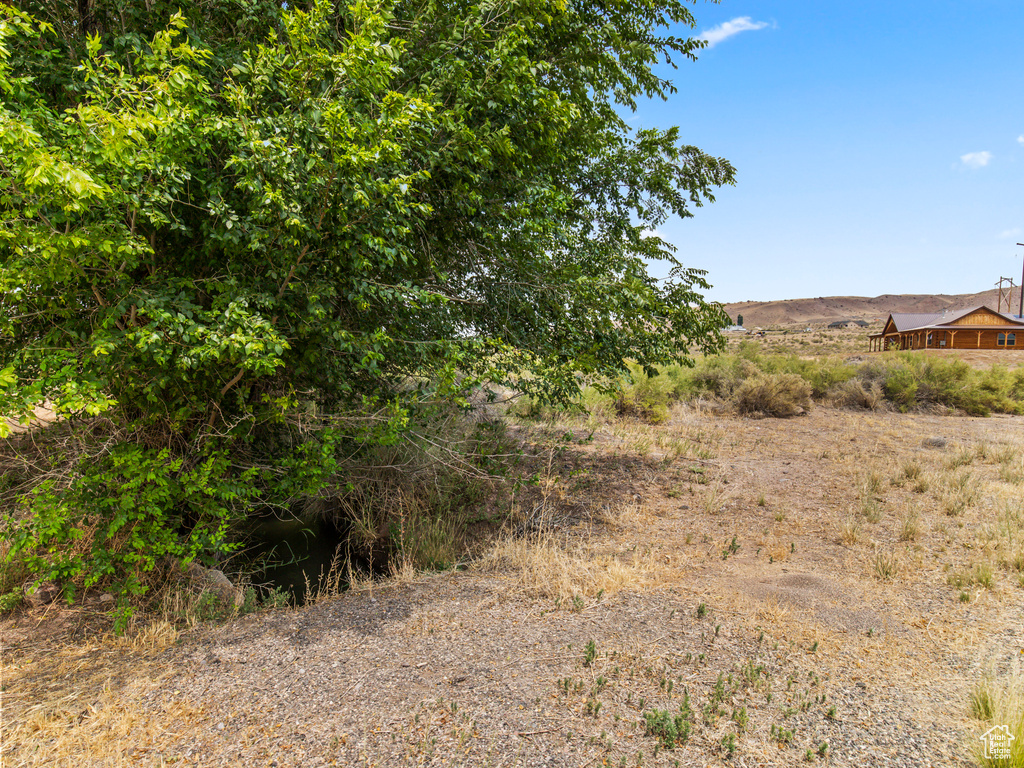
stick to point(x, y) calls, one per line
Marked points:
point(776, 394)
point(1016, 391)
point(942, 381)
point(911, 380)
point(670, 730)
point(827, 375)
point(854, 394)
point(122, 514)
point(598, 402)
point(907, 380)
point(681, 381)
point(722, 375)
point(529, 407)
point(645, 397)
point(750, 351)
point(901, 388)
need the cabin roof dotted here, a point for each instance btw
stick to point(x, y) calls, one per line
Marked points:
point(912, 321)
point(904, 322)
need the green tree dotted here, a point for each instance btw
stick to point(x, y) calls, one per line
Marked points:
point(241, 244)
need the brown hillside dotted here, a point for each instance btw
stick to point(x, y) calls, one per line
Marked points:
point(823, 310)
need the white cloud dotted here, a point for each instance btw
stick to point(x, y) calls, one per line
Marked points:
point(1009, 234)
point(976, 159)
point(715, 35)
point(1020, 139)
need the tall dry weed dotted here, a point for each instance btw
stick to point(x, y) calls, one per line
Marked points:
point(999, 705)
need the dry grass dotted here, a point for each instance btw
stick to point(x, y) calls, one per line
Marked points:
point(1012, 469)
point(919, 512)
point(544, 566)
point(624, 515)
point(111, 731)
point(886, 565)
point(84, 705)
point(994, 703)
point(911, 469)
point(910, 526)
point(849, 531)
point(715, 499)
point(960, 491)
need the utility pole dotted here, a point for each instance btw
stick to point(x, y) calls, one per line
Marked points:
point(1020, 308)
point(1009, 294)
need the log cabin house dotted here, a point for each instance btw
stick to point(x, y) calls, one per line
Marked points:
point(975, 328)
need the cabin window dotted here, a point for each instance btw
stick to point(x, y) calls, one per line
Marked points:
point(1007, 340)
point(929, 343)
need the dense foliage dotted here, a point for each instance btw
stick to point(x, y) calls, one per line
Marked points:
point(241, 242)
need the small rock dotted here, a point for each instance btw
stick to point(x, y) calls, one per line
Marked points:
point(44, 594)
point(934, 442)
point(106, 597)
point(216, 582)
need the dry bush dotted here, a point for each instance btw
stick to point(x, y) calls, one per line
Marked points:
point(781, 395)
point(853, 394)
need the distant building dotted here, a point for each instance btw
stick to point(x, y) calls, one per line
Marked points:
point(847, 323)
point(974, 328)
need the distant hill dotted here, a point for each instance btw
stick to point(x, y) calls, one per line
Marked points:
point(824, 310)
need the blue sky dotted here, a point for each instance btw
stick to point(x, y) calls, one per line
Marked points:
point(879, 146)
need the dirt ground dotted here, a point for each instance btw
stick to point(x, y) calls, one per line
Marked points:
point(825, 589)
